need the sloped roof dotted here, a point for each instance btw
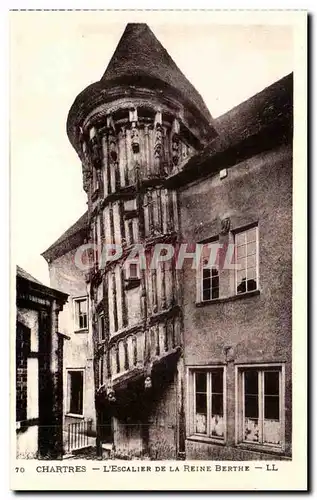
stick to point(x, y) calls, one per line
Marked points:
point(259, 122)
point(139, 59)
point(140, 54)
point(271, 104)
point(21, 273)
point(73, 237)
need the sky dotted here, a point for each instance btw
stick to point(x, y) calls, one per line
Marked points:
point(55, 55)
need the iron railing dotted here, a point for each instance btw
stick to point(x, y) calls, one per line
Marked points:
point(78, 434)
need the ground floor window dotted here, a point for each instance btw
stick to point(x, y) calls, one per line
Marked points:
point(260, 405)
point(207, 399)
point(75, 392)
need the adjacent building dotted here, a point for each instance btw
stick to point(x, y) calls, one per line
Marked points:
point(79, 416)
point(39, 369)
point(189, 361)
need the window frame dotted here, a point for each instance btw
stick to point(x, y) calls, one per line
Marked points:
point(68, 392)
point(200, 274)
point(235, 234)
point(76, 301)
point(240, 369)
point(191, 434)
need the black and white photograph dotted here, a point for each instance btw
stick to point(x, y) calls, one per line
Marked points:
point(152, 199)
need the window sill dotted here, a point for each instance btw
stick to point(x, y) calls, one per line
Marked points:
point(81, 330)
point(74, 415)
point(260, 448)
point(207, 440)
point(232, 298)
point(132, 283)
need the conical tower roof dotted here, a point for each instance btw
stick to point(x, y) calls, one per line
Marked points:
point(140, 59)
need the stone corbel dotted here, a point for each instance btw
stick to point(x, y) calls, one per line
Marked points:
point(111, 395)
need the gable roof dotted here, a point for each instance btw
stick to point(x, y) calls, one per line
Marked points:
point(70, 239)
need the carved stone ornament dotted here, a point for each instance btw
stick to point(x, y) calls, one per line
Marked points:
point(225, 226)
point(111, 395)
point(158, 140)
point(148, 383)
point(135, 143)
point(96, 154)
point(113, 152)
point(175, 149)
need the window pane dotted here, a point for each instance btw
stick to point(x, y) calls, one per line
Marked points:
point(251, 285)
point(241, 281)
point(214, 272)
point(76, 393)
point(133, 270)
point(201, 403)
point(83, 306)
point(217, 404)
point(251, 261)
point(201, 423)
point(251, 273)
point(201, 381)
point(217, 382)
point(251, 235)
point(201, 409)
point(251, 430)
point(82, 321)
point(251, 382)
point(215, 282)
point(241, 251)
point(272, 432)
point(242, 263)
point(252, 248)
point(272, 407)
point(240, 239)
point(206, 273)
point(215, 293)
point(217, 426)
point(251, 407)
point(206, 294)
point(271, 383)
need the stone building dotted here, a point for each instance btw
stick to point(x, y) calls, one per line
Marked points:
point(191, 363)
point(79, 416)
point(39, 369)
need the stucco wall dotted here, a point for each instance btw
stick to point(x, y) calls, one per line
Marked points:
point(258, 329)
point(78, 350)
